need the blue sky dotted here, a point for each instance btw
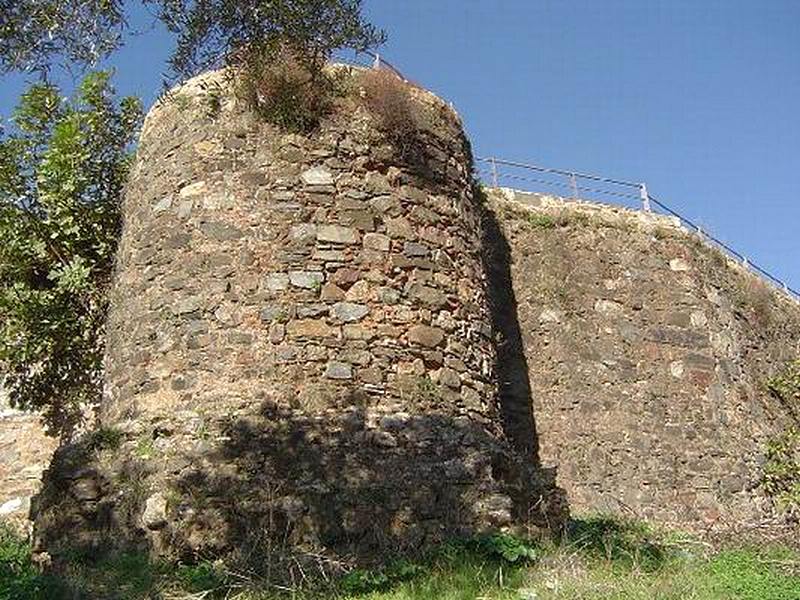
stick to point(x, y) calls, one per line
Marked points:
point(699, 99)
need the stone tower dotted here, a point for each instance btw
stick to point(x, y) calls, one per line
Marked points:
point(299, 344)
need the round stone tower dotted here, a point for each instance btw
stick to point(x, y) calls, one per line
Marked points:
point(299, 345)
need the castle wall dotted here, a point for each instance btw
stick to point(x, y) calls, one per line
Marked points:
point(25, 451)
point(299, 344)
point(323, 341)
point(648, 354)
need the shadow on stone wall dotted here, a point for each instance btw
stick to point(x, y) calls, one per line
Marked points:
point(283, 493)
point(352, 486)
point(516, 405)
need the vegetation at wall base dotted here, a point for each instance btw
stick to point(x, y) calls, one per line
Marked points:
point(599, 558)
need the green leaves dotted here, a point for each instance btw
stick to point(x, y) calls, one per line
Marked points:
point(786, 386)
point(211, 30)
point(62, 169)
point(33, 33)
point(510, 548)
point(782, 469)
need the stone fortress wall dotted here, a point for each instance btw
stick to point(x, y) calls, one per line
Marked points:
point(310, 325)
point(25, 451)
point(648, 353)
point(299, 334)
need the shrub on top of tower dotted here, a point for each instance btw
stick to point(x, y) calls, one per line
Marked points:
point(242, 29)
point(278, 50)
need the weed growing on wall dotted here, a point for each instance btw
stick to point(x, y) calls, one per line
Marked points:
point(541, 220)
point(388, 99)
point(277, 50)
point(786, 385)
point(782, 470)
point(401, 118)
point(285, 91)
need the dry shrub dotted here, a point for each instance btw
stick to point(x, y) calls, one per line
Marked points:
point(759, 298)
point(399, 116)
point(283, 89)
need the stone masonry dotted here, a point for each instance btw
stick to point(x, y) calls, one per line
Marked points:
point(648, 352)
point(299, 346)
point(316, 340)
point(25, 451)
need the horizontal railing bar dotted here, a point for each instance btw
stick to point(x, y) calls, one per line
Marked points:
point(644, 196)
point(510, 163)
point(561, 185)
point(752, 265)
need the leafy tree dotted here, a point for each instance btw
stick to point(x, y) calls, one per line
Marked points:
point(62, 169)
point(278, 49)
point(33, 33)
point(208, 30)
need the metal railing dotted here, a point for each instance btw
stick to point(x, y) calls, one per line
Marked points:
point(632, 194)
point(369, 59)
point(578, 184)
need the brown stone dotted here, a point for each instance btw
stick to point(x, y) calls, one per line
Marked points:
point(352, 331)
point(371, 375)
point(344, 278)
point(332, 293)
point(428, 296)
point(337, 234)
point(424, 335)
point(377, 241)
point(309, 328)
point(400, 228)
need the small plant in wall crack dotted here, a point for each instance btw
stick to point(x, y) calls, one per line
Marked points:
point(782, 470)
point(541, 221)
point(786, 386)
point(145, 447)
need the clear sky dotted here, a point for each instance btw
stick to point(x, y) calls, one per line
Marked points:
point(697, 98)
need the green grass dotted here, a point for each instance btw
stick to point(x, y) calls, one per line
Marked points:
point(540, 220)
point(598, 558)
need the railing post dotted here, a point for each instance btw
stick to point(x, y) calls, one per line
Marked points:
point(574, 183)
point(495, 182)
point(645, 198)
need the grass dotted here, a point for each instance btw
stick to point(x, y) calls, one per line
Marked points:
point(106, 438)
point(599, 558)
point(541, 220)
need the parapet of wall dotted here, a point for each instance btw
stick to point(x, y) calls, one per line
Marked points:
point(647, 353)
point(25, 451)
point(299, 344)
